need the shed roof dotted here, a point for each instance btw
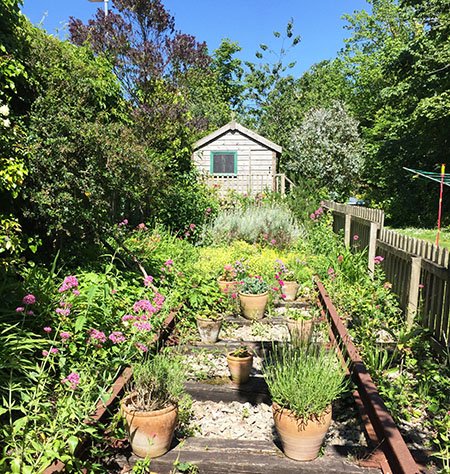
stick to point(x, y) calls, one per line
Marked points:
point(233, 125)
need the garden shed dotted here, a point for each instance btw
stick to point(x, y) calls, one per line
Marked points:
point(234, 157)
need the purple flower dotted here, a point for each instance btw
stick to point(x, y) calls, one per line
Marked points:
point(29, 299)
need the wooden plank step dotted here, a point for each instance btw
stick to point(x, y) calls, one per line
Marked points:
point(215, 456)
point(254, 391)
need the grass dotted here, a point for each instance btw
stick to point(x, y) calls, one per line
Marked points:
point(427, 234)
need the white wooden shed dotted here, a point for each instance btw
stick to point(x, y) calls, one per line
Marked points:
point(234, 157)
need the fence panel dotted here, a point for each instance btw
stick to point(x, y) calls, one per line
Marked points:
point(408, 263)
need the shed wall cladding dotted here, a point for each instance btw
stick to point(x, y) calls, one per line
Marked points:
point(261, 157)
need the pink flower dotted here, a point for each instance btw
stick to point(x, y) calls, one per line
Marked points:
point(47, 329)
point(274, 241)
point(54, 350)
point(113, 291)
point(340, 258)
point(76, 292)
point(355, 237)
point(142, 326)
point(276, 288)
point(116, 337)
point(69, 282)
point(96, 337)
point(63, 312)
point(388, 285)
point(74, 380)
point(283, 296)
point(141, 347)
point(420, 285)
point(29, 299)
point(19, 309)
point(45, 353)
point(208, 209)
point(64, 336)
point(148, 280)
point(169, 262)
point(30, 313)
point(265, 236)
point(245, 194)
point(330, 271)
point(303, 263)
point(377, 306)
point(234, 295)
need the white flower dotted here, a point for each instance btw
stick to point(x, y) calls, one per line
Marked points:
point(6, 123)
point(4, 110)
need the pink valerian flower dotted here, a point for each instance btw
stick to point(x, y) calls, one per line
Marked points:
point(19, 309)
point(355, 237)
point(124, 222)
point(64, 336)
point(64, 304)
point(274, 241)
point(45, 353)
point(63, 312)
point(187, 234)
point(96, 337)
point(127, 318)
point(141, 347)
point(30, 313)
point(113, 291)
point(330, 271)
point(74, 380)
point(420, 285)
point(275, 288)
point(148, 280)
point(265, 236)
point(169, 262)
point(283, 296)
point(158, 300)
point(47, 329)
point(141, 226)
point(234, 295)
point(142, 326)
point(54, 350)
point(69, 282)
point(116, 337)
point(29, 299)
point(144, 305)
point(192, 226)
point(76, 292)
point(340, 259)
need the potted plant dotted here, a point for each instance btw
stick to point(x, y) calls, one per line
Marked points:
point(303, 380)
point(299, 323)
point(240, 362)
point(231, 275)
point(209, 322)
point(150, 407)
point(287, 280)
point(253, 296)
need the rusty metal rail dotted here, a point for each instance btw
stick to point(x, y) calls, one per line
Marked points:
point(390, 441)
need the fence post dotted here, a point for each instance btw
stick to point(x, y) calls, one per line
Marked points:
point(372, 246)
point(413, 293)
point(347, 229)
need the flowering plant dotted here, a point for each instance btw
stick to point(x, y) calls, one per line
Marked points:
point(254, 285)
point(229, 273)
point(238, 271)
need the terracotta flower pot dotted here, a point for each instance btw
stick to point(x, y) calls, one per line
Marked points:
point(253, 306)
point(301, 440)
point(209, 329)
point(290, 290)
point(150, 432)
point(230, 286)
point(239, 368)
point(301, 329)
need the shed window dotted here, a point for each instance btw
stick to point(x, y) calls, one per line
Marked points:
point(223, 162)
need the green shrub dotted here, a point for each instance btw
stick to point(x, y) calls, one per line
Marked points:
point(267, 225)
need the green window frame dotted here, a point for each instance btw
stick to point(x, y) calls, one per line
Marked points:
point(231, 153)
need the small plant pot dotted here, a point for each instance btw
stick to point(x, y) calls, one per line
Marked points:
point(239, 368)
point(209, 329)
point(253, 306)
point(300, 330)
point(227, 286)
point(290, 290)
point(301, 439)
point(150, 432)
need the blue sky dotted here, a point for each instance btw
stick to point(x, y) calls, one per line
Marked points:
point(249, 22)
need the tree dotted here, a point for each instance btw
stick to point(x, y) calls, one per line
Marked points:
point(327, 150)
point(151, 60)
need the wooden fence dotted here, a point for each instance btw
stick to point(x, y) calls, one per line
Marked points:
point(418, 270)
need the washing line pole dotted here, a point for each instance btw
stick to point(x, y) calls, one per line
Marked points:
point(440, 202)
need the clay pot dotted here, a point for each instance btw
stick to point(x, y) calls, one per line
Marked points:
point(209, 329)
point(239, 368)
point(301, 439)
point(301, 330)
point(150, 432)
point(253, 306)
point(290, 290)
point(230, 286)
